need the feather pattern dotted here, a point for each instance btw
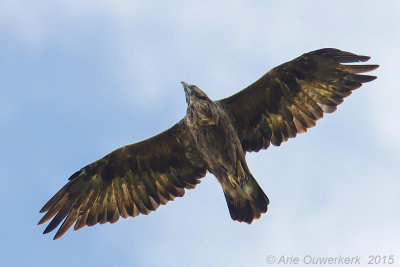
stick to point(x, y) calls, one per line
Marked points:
point(131, 180)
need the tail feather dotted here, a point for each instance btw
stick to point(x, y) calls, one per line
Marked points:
point(246, 203)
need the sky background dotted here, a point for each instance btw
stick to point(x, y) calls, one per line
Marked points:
point(82, 78)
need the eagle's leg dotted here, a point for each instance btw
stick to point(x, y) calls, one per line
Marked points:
point(240, 178)
point(245, 198)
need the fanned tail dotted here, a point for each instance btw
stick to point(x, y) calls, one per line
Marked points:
point(246, 203)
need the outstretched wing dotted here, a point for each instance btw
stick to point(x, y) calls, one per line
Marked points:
point(293, 96)
point(131, 180)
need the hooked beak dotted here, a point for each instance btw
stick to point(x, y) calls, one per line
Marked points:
point(188, 91)
point(185, 86)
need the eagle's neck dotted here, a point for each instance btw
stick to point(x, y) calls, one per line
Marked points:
point(202, 113)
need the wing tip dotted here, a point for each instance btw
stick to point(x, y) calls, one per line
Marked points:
point(373, 66)
point(43, 209)
point(369, 78)
point(42, 221)
point(358, 68)
point(341, 56)
point(58, 235)
point(350, 58)
point(47, 230)
point(363, 58)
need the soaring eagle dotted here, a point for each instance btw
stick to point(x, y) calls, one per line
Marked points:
point(214, 136)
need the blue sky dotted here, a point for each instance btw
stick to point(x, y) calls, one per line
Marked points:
point(82, 78)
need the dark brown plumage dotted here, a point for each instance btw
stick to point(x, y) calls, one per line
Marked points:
point(214, 136)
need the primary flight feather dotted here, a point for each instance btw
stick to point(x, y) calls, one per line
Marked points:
point(214, 136)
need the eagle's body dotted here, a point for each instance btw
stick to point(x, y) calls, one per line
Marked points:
point(218, 142)
point(214, 136)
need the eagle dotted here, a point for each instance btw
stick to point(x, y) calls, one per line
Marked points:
point(214, 137)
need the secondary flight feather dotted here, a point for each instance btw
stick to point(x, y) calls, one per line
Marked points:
point(214, 136)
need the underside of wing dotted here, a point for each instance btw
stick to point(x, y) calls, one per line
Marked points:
point(290, 98)
point(131, 180)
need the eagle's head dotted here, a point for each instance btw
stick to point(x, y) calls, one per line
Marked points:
point(193, 93)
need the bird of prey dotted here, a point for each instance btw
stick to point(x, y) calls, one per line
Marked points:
point(214, 136)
